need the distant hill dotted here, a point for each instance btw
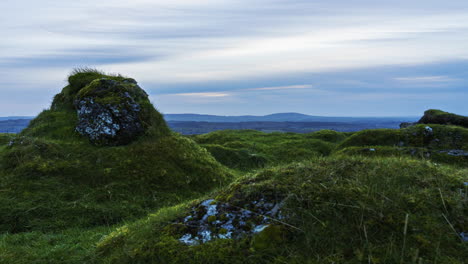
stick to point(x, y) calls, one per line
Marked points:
point(15, 117)
point(282, 117)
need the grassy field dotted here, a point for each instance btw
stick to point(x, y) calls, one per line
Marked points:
point(374, 196)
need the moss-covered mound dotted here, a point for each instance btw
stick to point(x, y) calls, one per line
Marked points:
point(441, 143)
point(332, 210)
point(52, 177)
point(105, 109)
point(444, 118)
point(248, 149)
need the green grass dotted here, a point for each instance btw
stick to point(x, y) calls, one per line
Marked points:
point(249, 149)
point(52, 185)
point(5, 138)
point(66, 246)
point(65, 200)
point(441, 137)
point(433, 116)
point(343, 210)
point(52, 178)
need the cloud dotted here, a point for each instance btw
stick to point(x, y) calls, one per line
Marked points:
point(204, 95)
point(304, 86)
point(217, 49)
point(426, 79)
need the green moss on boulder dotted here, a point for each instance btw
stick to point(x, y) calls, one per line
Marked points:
point(104, 109)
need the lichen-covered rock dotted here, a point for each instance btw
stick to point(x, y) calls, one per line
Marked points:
point(109, 111)
point(220, 220)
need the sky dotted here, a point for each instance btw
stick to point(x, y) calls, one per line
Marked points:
point(238, 57)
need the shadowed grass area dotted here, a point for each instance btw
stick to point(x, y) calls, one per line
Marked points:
point(66, 246)
point(341, 210)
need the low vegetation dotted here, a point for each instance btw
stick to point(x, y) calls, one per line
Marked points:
point(336, 210)
point(234, 196)
point(249, 149)
point(440, 117)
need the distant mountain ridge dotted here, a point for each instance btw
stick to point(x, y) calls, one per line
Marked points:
point(15, 117)
point(281, 117)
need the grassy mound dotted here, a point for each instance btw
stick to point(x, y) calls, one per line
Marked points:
point(60, 121)
point(335, 210)
point(53, 185)
point(431, 136)
point(409, 152)
point(440, 117)
point(52, 178)
point(247, 149)
point(420, 141)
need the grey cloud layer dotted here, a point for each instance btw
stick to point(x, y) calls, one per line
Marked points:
point(209, 46)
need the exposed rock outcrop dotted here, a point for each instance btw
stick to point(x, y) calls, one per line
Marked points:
point(109, 112)
point(217, 220)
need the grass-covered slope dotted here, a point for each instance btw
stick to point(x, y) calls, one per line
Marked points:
point(431, 141)
point(153, 196)
point(433, 116)
point(248, 149)
point(334, 210)
point(52, 177)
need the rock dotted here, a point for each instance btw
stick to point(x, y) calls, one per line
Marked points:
point(428, 131)
point(455, 152)
point(464, 236)
point(109, 112)
point(217, 220)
